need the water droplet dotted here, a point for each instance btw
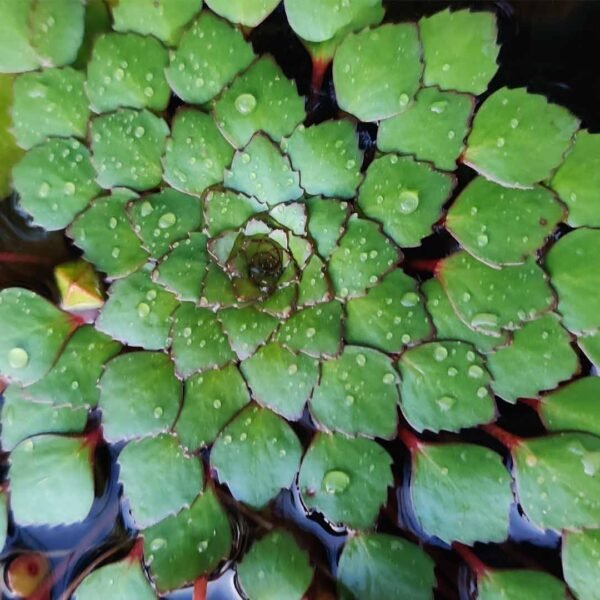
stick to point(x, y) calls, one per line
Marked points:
point(217, 403)
point(336, 481)
point(591, 463)
point(310, 332)
point(349, 400)
point(158, 412)
point(157, 544)
point(409, 299)
point(143, 310)
point(74, 385)
point(292, 369)
point(438, 107)
point(482, 240)
point(139, 132)
point(69, 188)
point(445, 67)
point(445, 403)
point(403, 99)
point(18, 358)
point(245, 104)
point(484, 320)
point(514, 123)
point(44, 190)
point(202, 546)
point(440, 353)
point(409, 201)
point(470, 355)
point(531, 460)
point(187, 331)
point(482, 392)
point(475, 371)
point(167, 220)
point(146, 209)
point(500, 142)
point(112, 223)
point(361, 360)
point(28, 445)
point(452, 371)
point(388, 378)
point(451, 134)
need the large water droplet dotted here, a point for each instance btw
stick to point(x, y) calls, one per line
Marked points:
point(245, 104)
point(409, 201)
point(591, 463)
point(158, 412)
point(143, 309)
point(438, 107)
point(440, 353)
point(167, 220)
point(361, 360)
point(18, 358)
point(475, 371)
point(445, 403)
point(409, 299)
point(482, 240)
point(336, 481)
point(157, 544)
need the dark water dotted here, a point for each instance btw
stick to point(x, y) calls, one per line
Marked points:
point(548, 47)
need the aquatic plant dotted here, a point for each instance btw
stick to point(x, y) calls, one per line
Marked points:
point(242, 276)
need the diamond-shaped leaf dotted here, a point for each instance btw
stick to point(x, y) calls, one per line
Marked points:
point(188, 545)
point(377, 72)
point(16, 53)
point(139, 395)
point(405, 196)
point(247, 329)
point(374, 566)
point(520, 585)
point(49, 103)
point(543, 350)
point(445, 386)
point(127, 146)
point(256, 455)
point(224, 210)
point(518, 137)
point(459, 49)
point(465, 481)
point(326, 222)
point(249, 13)
point(55, 181)
point(590, 345)
point(357, 394)
point(33, 334)
point(432, 128)
point(345, 479)
point(57, 469)
point(280, 379)
point(211, 400)
point(275, 567)
point(138, 312)
point(261, 99)
point(502, 226)
point(153, 498)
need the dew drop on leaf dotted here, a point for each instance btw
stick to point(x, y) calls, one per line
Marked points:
point(245, 104)
point(18, 358)
point(336, 481)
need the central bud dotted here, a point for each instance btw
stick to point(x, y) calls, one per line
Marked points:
point(265, 263)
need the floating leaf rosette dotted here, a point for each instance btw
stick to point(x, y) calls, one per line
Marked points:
point(252, 329)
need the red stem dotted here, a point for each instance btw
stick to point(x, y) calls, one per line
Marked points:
point(319, 68)
point(411, 441)
point(200, 587)
point(24, 259)
point(531, 402)
point(430, 265)
point(137, 551)
point(508, 440)
point(476, 565)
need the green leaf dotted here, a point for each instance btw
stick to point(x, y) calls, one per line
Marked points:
point(10, 153)
point(256, 456)
point(247, 329)
point(502, 226)
point(578, 178)
point(138, 312)
point(216, 289)
point(188, 545)
point(345, 479)
point(51, 480)
point(125, 579)
point(376, 565)
point(467, 482)
point(321, 20)
point(197, 154)
point(357, 394)
point(445, 386)
point(520, 585)
point(518, 138)
point(153, 498)
point(315, 286)
point(211, 400)
point(16, 52)
point(119, 253)
point(573, 407)
point(49, 103)
point(182, 270)
point(55, 181)
point(460, 49)
point(249, 13)
point(377, 72)
point(260, 170)
point(56, 30)
point(127, 146)
point(580, 552)
point(160, 219)
point(261, 99)
point(362, 257)
point(558, 480)
point(22, 418)
point(326, 220)
point(127, 70)
point(73, 379)
point(489, 300)
point(97, 21)
point(590, 345)
point(328, 158)
point(433, 128)
point(227, 210)
point(163, 19)
point(391, 316)
point(405, 196)
point(447, 324)
point(198, 340)
point(542, 349)
point(224, 53)
point(280, 379)
point(275, 567)
point(572, 264)
point(33, 334)
point(316, 330)
point(139, 395)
